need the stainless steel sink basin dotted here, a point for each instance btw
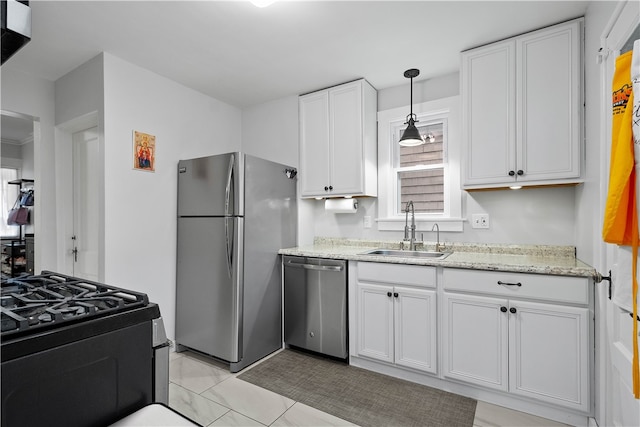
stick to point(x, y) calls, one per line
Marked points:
point(408, 254)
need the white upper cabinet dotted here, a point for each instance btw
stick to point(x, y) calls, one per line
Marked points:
point(338, 141)
point(522, 109)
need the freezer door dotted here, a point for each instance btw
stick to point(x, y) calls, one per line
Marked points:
point(211, 186)
point(209, 286)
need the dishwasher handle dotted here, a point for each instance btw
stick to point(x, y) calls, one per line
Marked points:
point(314, 267)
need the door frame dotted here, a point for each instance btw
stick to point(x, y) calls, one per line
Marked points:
point(64, 190)
point(620, 27)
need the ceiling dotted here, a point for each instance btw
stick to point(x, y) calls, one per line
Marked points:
point(245, 55)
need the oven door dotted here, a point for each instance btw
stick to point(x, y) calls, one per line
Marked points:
point(90, 382)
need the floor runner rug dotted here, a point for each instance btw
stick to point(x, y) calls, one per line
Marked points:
point(357, 395)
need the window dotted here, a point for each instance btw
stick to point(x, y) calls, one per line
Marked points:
point(419, 171)
point(427, 175)
point(9, 197)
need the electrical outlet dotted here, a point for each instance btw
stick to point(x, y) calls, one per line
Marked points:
point(367, 221)
point(480, 220)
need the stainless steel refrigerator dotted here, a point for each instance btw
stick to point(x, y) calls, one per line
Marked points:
point(235, 212)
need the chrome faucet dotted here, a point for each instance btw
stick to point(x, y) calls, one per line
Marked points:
point(412, 242)
point(437, 228)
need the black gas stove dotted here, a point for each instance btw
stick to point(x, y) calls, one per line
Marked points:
point(69, 340)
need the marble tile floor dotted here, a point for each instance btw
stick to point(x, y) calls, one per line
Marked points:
point(206, 392)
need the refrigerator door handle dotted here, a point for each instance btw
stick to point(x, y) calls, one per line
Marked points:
point(227, 199)
point(227, 235)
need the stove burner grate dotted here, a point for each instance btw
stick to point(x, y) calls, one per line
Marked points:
point(34, 302)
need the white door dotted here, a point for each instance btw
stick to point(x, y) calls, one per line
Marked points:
point(375, 322)
point(548, 353)
point(548, 122)
point(85, 204)
point(488, 99)
point(476, 326)
point(345, 124)
point(415, 328)
point(616, 405)
point(314, 144)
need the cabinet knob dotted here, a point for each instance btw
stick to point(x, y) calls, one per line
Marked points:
point(395, 294)
point(503, 309)
point(330, 187)
point(520, 172)
point(512, 173)
point(388, 294)
point(326, 188)
point(513, 310)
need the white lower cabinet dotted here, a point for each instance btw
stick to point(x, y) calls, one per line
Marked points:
point(535, 349)
point(519, 340)
point(396, 324)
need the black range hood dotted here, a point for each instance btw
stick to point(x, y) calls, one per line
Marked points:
point(16, 26)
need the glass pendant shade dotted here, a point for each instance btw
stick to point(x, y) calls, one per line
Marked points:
point(411, 136)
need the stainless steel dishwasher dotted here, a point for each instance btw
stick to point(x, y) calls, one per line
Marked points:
point(315, 305)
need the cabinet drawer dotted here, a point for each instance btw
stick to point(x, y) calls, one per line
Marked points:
point(397, 274)
point(573, 290)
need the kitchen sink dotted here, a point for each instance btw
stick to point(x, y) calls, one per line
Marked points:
point(408, 254)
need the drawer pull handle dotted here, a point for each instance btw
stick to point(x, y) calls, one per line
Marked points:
point(500, 282)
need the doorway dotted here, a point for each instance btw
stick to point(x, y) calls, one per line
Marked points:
point(79, 189)
point(86, 191)
point(617, 406)
point(18, 172)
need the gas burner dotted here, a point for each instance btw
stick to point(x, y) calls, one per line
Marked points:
point(30, 302)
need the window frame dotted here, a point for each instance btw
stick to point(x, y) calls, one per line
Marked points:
point(389, 123)
point(397, 128)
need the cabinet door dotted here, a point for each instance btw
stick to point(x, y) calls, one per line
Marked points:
point(475, 333)
point(415, 328)
point(375, 321)
point(549, 347)
point(345, 127)
point(488, 99)
point(548, 103)
point(314, 144)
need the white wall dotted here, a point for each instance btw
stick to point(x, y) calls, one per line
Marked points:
point(531, 216)
point(588, 212)
point(270, 131)
point(140, 207)
point(26, 94)
point(79, 106)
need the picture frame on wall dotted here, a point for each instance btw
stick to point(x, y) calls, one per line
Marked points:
point(144, 151)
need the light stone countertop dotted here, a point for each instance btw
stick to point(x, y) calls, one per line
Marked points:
point(538, 259)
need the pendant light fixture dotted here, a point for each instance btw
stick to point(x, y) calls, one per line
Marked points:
point(411, 136)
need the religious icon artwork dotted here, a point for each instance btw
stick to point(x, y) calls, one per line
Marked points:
point(144, 151)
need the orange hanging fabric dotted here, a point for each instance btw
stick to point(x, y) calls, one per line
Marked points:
point(621, 211)
point(620, 207)
point(634, 113)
